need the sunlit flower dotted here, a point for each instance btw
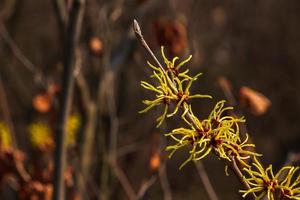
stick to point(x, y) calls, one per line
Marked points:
point(241, 151)
point(215, 133)
point(172, 88)
point(73, 125)
point(174, 69)
point(40, 135)
point(183, 93)
point(290, 186)
point(164, 95)
point(200, 143)
point(263, 182)
point(5, 138)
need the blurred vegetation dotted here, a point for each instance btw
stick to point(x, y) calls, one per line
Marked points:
point(247, 51)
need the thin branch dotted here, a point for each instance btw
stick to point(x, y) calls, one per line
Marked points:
point(87, 140)
point(84, 90)
point(71, 39)
point(114, 121)
point(139, 35)
point(127, 149)
point(145, 186)
point(205, 180)
point(227, 90)
point(60, 8)
point(162, 173)
point(6, 113)
point(18, 53)
point(122, 178)
point(21, 171)
point(189, 115)
point(239, 174)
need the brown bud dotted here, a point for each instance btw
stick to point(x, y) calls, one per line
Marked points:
point(154, 162)
point(96, 45)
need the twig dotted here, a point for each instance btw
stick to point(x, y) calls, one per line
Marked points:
point(164, 182)
point(89, 127)
point(241, 177)
point(145, 186)
point(205, 180)
point(139, 35)
point(61, 15)
point(124, 150)
point(122, 178)
point(22, 173)
point(226, 88)
point(6, 113)
point(71, 39)
point(114, 121)
point(19, 54)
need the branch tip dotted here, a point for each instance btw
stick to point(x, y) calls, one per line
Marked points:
point(137, 29)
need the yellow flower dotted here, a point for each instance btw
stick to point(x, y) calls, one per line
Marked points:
point(172, 68)
point(240, 150)
point(200, 143)
point(40, 135)
point(5, 138)
point(216, 133)
point(263, 182)
point(290, 188)
point(73, 125)
point(164, 95)
point(172, 88)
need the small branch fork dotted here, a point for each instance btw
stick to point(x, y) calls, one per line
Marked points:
point(233, 164)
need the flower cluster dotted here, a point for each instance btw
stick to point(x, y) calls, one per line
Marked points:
point(264, 182)
point(219, 133)
point(174, 87)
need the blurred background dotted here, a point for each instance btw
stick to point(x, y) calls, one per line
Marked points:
point(247, 51)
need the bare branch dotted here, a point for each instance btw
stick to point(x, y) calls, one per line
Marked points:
point(164, 182)
point(71, 39)
point(205, 180)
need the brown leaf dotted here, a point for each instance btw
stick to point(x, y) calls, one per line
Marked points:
point(96, 45)
point(255, 101)
point(171, 33)
point(36, 190)
point(42, 102)
point(218, 16)
point(154, 162)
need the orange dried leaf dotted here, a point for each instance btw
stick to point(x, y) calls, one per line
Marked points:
point(48, 190)
point(257, 102)
point(96, 45)
point(42, 102)
point(172, 34)
point(154, 161)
